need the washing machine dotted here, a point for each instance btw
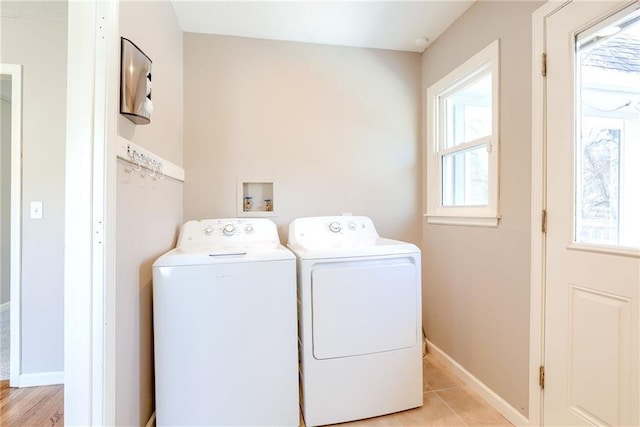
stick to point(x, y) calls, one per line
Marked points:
point(225, 327)
point(359, 314)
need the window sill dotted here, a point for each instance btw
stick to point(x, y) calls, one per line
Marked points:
point(464, 221)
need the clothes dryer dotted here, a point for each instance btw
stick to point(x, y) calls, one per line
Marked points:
point(359, 314)
point(225, 333)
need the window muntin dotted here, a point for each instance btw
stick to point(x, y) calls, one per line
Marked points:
point(462, 143)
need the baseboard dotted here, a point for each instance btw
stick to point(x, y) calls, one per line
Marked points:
point(501, 405)
point(44, 378)
point(5, 306)
point(152, 420)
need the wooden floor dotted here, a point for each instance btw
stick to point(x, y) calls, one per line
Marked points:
point(31, 406)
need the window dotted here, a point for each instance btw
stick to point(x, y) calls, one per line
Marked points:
point(462, 143)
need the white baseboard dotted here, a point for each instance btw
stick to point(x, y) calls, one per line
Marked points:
point(44, 378)
point(152, 420)
point(5, 306)
point(501, 405)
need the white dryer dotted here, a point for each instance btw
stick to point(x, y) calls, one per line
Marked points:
point(359, 314)
point(225, 331)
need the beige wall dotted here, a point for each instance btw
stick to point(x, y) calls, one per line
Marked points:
point(337, 128)
point(141, 238)
point(476, 280)
point(149, 210)
point(34, 34)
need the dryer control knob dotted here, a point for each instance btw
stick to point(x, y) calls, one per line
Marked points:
point(248, 228)
point(229, 229)
point(335, 227)
point(351, 225)
point(208, 230)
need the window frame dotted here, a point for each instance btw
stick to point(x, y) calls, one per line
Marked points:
point(475, 68)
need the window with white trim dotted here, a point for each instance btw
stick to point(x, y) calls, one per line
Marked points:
point(463, 143)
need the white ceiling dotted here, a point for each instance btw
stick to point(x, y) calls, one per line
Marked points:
point(374, 24)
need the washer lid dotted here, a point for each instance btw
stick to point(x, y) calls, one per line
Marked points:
point(225, 241)
point(223, 255)
point(207, 233)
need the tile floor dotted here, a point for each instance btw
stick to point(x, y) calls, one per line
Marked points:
point(447, 402)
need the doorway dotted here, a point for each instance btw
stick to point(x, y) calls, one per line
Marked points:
point(590, 271)
point(10, 190)
point(5, 223)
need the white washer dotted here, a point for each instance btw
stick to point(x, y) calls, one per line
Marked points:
point(359, 314)
point(224, 306)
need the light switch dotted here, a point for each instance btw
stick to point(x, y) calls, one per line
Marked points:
point(36, 210)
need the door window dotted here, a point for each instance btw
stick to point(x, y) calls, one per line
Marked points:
point(607, 154)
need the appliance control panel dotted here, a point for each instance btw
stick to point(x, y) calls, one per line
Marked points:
point(228, 231)
point(332, 231)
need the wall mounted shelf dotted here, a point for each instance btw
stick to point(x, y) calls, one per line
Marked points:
point(143, 158)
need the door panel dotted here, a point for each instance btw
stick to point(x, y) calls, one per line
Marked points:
point(597, 394)
point(364, 308)
point(592, 262)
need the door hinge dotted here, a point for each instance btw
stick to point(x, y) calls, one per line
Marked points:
point(543, 221)
point(98, 232)
point(541, 377)
point(544, 65)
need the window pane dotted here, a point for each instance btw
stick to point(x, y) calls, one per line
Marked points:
point(468, 113)
point(600, 186)
point(465, 177)
point(607, 154)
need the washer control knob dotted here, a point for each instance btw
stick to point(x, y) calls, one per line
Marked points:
point(248, 228)
point(208, 229)
point(334, 227)
point(229, 229)
point(352, 225)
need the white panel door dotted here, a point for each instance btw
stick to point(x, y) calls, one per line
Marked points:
point(593, 203)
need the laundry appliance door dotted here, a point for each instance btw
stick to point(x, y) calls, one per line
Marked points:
point(364, 306)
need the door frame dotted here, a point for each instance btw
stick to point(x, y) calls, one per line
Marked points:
point(538, 208)
point(89, 283)
point(15, 218)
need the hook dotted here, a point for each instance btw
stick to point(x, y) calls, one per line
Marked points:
point(137, 165)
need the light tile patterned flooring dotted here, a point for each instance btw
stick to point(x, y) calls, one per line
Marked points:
point(447, 402)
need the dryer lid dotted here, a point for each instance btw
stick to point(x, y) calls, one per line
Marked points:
point(341, 236)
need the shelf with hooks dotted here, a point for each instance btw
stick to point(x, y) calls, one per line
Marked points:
point(142, 158)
